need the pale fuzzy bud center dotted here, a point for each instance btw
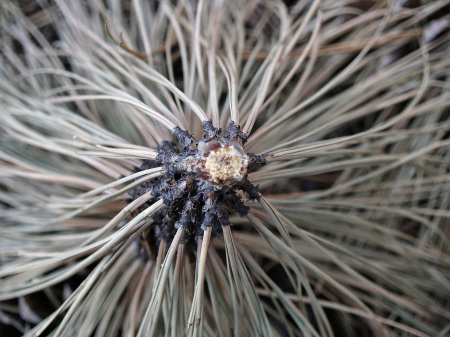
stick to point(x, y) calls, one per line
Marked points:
point(225, 163)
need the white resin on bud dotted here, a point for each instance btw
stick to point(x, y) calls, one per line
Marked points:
point(219, 163)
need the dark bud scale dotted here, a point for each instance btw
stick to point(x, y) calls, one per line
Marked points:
point(203, 183)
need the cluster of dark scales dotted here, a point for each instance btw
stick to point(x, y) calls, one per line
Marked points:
point(190, 202)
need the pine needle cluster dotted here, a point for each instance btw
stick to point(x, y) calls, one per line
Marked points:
point(334, 114)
